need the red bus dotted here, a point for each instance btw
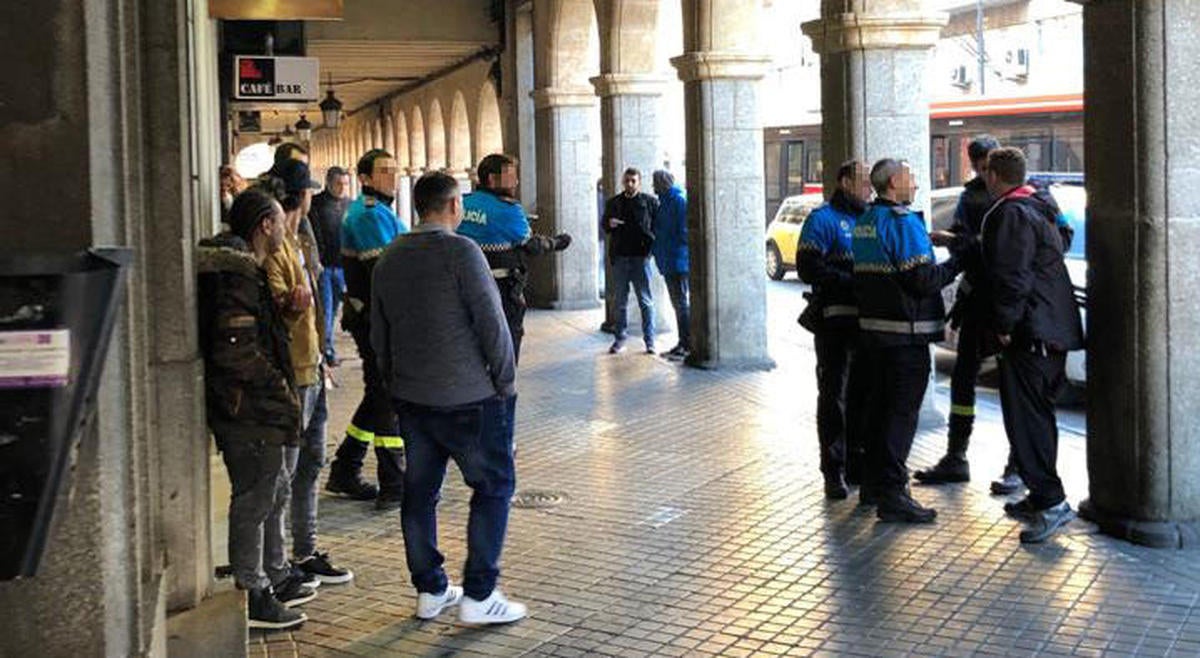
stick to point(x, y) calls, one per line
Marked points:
point(1048, 128)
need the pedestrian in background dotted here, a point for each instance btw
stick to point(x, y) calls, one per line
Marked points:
point(629, 221)
point(671, 255)
point(328, 211)
point(450, 372)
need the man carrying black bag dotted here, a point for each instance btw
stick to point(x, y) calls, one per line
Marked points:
point(825, 262)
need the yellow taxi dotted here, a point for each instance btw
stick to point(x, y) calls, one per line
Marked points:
point(783, 233)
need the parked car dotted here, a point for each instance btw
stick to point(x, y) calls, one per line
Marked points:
point(1072, 200)
point(783, 233)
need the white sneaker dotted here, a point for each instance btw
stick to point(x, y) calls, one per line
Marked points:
point(432, 605)
point(495, 609)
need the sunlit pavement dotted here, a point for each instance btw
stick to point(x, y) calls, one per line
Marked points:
point(691, 521)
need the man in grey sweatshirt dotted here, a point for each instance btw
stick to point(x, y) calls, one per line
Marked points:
point(446, 354)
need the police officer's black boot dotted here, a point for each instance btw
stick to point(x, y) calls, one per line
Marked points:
point(345, 473)
point(391, 478)
point(952, 467)
point(835, 487)
point(897, 505)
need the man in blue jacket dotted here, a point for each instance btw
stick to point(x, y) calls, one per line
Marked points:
point(370, 226)
point(493, 219)
point(898, 286)
point(825, 262)
point(670, 251)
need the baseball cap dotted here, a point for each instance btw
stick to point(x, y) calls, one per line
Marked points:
point(295, 176)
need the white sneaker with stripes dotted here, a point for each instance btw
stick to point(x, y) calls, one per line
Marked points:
point(432, 605)
point(495, 609)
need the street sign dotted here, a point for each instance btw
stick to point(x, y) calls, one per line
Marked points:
point(276, 78)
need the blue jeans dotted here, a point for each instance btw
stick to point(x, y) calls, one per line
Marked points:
point(332, 284)
point(633, 270)
point(479, 438)
point(305, 463)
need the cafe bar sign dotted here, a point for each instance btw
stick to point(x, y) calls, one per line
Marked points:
point(261, 78)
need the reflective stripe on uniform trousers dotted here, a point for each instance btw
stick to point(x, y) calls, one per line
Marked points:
point(962, 409)
point(390, 442)
point(359, 434)
point(501, 273)
point(837, 310)
point(900, 327)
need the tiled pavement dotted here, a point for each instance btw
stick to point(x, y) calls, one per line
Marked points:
point(694, 524)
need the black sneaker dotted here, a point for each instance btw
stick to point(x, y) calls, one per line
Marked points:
point(678, 352)
point(318, 566)
point(899, 506)
point(1046, 522)
point(303, 577)
point(1009, 483)
point(352, 486)
point(950, 468)
point(617, 346)
point(293, 592)
point(265, 611)
point(1022, 510)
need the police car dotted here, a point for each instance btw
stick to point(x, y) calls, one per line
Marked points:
point(1072, 200)
point(783, 233)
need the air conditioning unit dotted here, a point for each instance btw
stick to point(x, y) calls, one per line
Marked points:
point(960, 76)
point(1016, 64)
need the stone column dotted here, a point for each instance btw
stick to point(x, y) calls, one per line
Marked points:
point(404, 198)
point(565, 156)
point(1143, 243)
point(874, 96)
point(725, 200)
point(631, 136)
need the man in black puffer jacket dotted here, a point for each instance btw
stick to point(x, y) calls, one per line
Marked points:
point(1033, 315)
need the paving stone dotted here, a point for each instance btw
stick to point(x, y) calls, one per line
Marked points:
point(695, 524)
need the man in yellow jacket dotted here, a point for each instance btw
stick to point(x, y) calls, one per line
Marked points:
point(292, 273)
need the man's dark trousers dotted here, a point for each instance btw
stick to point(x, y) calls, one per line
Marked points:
point(837, 391)
point(1030, 380)
point(898, 377)
point(962, 385)
point(512, 301)
point(373, 423)
point(677, 288)
point(479, 438)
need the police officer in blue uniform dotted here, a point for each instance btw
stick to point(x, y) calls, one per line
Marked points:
point(369, 227)
point(825, 262)
point(494, 219)
point(898, 286)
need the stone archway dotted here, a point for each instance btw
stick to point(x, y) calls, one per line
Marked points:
point(435, 136)
point(489, 137)
point(460, 135)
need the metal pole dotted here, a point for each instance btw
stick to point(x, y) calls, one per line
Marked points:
point(979, 47)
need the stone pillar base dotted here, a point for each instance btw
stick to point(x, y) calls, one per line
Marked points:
point(761, 364)
point(1155, 534)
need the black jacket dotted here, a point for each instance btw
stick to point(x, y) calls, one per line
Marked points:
point(1029, 290)
point(247, 371)
point(326, 215)
point(635, 237)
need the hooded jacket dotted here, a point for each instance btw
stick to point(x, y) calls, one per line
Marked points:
point(1027, 285)
point(671, 232)
point(247, 370)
